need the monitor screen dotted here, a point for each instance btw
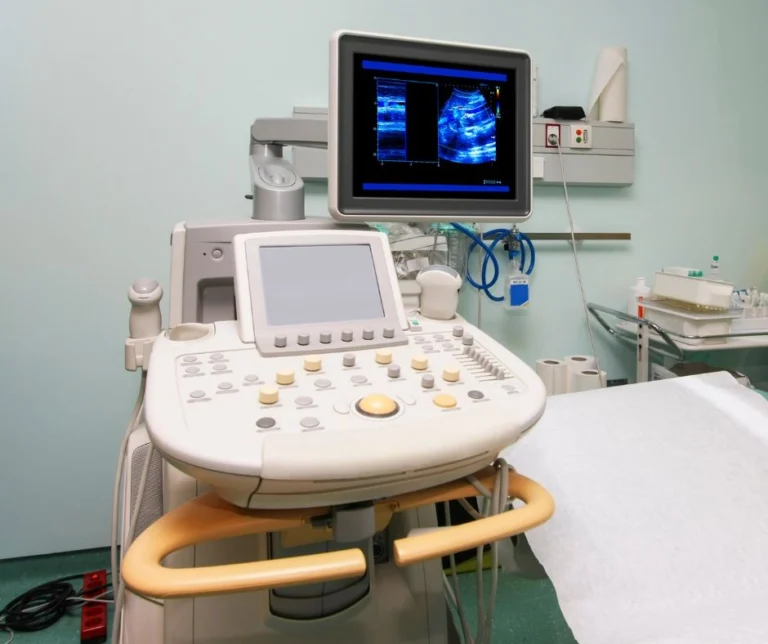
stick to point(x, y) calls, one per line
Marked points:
point(433, 130)
point(318, 284)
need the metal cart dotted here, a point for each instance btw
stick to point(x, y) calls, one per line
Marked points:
point(648, 337)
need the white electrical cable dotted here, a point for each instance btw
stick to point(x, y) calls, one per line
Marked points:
point(578, 267)
point(120, 594)
point(494, 502)
point(8, 630)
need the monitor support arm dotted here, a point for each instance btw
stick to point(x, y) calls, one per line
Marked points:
point(278, 192)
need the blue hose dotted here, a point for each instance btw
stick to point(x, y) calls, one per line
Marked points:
point(485, 284)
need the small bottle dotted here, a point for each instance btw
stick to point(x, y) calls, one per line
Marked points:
point(637, 292)
point(714, 267)
point(518, 286)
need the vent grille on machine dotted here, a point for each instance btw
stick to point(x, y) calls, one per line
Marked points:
point(152, 504)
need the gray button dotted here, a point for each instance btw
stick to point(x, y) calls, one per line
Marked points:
point(219, 367)
point(341, 407)
point(323, 383)
point(225, 385)
point(303, 339)
point(439, 337)
point(367, 334)
point(216, 253)
point(458, 331)
point(197, 394)
point(190, 358)
point(349, 360)
point(476, 395)
point(251, 377)
point(472, 353)
point(428, 381)
point(281, 341)
point(266, 422)
point(217, 356)
point(447, 345)
point(419, 339)
point(509, 387)
point(393, 371)
point(467, 340)
point(496, 371)
point(303, 401)
point(192, 369)
point(359, 380)
point(346, 335)
point(325, 337)
point(501, 375)
point(309, 422)
point(467, 351)
point(428, 347)
point(388, 332)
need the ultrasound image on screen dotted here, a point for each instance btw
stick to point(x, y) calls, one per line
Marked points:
point(422, 130)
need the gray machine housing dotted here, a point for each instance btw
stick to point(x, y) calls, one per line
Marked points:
point(609, 162)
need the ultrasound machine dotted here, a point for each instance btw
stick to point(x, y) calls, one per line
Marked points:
point(299, 424)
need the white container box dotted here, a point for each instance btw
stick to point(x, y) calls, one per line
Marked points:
point(689, 323)
point(694, 290)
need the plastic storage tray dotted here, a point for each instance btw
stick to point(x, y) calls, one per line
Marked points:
point(689, 323)
point(694, 290)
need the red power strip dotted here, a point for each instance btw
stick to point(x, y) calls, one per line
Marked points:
point(93, 620)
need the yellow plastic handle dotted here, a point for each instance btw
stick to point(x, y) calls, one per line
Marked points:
point(208, 518)
point(539, 506)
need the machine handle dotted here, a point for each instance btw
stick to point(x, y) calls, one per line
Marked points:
point(207, 518)
point(539, 506)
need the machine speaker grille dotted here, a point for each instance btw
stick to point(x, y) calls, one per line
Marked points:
point(152, 504)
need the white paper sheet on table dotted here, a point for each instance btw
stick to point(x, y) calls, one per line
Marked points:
point(660, 533)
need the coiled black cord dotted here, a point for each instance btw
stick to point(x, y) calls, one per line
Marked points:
point(44, 605)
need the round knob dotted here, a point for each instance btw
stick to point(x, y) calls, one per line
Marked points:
point(467, 340)
point(349, 360)
point(281, 341)
point(428, 381)
point(451, 374)
point(394, 371)
point(458, 331)
point(325, 337)
point(313, 363)
point(268, 395)
point(419, 362)
point(377, 405)
point(367, 334)
point(346, 335)
point(383, 356)
point(388, 332)
point(446, 401)
point(285, 377)
point(303, 339)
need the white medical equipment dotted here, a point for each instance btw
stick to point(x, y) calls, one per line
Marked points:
point(439, 292)
point(326, 419)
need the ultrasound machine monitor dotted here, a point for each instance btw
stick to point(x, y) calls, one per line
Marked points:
point(424, 130)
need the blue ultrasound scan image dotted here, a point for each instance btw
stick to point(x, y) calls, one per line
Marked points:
point(464, 117)
point(391, 120)
point(467, 128)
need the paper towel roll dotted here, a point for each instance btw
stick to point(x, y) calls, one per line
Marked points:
point(608, 101)
point(554, 374)
point(576, 364)
point(587, 380)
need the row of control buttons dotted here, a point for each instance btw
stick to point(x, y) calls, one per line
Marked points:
point(374, 406)
point(326, 337)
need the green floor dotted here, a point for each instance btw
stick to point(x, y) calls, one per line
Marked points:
point(526, 613)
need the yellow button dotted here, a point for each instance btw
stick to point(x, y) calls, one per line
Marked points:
point(377, 405)
point(313, 363)
point(451, 374)
point(420, 362)
point(383, 356)
point(268, 395)
point(284, 377)
point(446, 401)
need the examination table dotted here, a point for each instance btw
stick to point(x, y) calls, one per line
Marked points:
point(661, 531)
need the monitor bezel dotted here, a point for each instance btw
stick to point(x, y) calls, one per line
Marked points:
point(345, 206)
